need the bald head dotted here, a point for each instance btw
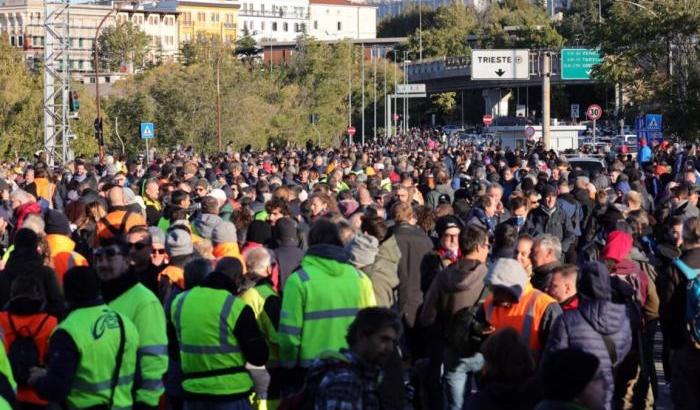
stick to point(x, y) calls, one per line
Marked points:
point(115, 196)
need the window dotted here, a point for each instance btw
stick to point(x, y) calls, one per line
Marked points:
point(214, 17)
point(81, 64)
point(274, 26)
point(262, 26)
point(262, 9)
point(340, 26)
point(12, 41)
point(229, 18)
point(286, 26)
point(187, 17)
point(315, 25)
point(80, 43)
point(303, 27)
point(201, 17)
point(296, 27)
point(20, 41)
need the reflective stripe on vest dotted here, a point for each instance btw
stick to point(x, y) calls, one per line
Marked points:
point(96, 334)
point(211, 360)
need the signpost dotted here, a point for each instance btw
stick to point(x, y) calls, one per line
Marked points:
point(577, 63)
point(351, 131)
point(500, 64)
point(410, 89)
point(529, 132)
point(594, 112)
point(575, 111)
point(488, 119)
point(649, 127)
point(147, 133)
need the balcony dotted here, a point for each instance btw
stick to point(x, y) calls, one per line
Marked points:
point(230, 25)
point(273, 14)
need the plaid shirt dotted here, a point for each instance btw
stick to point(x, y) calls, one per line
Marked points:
point(349, 388)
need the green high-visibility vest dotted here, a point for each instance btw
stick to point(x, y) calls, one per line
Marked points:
point(143, 308)
point(210, 356)
point(319, 302)
point(255, 298)
point(95, 332)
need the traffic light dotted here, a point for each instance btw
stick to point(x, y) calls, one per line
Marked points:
point(73, 101)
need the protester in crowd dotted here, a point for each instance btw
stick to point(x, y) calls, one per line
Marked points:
point(84, 352)
point(383, 272)
point(572, 379)
point(562, 287)
point(546, 256)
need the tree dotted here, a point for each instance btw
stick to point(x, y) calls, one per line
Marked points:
point(446, 33)
point(531, 26)
point(651, 50)
point(122, 44)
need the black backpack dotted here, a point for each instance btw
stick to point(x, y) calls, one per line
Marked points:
point(465, 334)
point(23, 353)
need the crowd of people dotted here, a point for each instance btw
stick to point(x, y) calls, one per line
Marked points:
point(426, 272)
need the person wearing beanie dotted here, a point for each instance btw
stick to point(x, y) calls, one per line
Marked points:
point(26, 260)
point(87, 348)
point(208, 315)
point(572, 380)
point(445, 252)
point(550, 218)
point(178, 244)
point(61, 246)
point(159, 256)
point(123, 292)
point(25, 314)
point(599, 326)
point(515, 303)
point(258, 234)
point(288, 252)
point(225, 207)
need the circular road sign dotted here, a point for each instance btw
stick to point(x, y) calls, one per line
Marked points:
point(351, 130)
point(488, 119)
point(529, 132)
point(594, 112)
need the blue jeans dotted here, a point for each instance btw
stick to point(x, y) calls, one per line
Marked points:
point(240, 404)
point(456, 377)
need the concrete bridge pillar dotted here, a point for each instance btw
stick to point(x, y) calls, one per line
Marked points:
point(496, 101)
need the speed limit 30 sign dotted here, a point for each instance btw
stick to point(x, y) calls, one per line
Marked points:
point(594, 112)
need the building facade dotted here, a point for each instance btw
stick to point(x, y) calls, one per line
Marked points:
point(340, 19)
point(273, 20)
point(22, 21)
point(205, 18)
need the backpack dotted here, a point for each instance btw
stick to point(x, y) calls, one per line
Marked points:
point(23, 353)
point(464, 334)
point(305, 398)
point(692, 307)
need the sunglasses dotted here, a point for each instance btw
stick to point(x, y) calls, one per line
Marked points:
point(109, 251)
point(138, 246)
point(158, 252)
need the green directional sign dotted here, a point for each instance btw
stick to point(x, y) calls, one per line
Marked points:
point(577, 63)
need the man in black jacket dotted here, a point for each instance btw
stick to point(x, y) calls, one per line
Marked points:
point(549, 218)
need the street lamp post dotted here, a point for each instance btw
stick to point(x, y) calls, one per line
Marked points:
point(96, 64)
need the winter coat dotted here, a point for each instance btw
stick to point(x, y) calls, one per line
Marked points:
point(383, 272)
point(671, 285)
point(454, 288)
point(24, 261)
point(433, 198)
point(573, 210)
point(584, 328)
point(557, 224)
point(204, 225)
point(414, 244)
point(479, 218)
point(288, 257)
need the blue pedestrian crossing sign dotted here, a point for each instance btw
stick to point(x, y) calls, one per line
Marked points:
point(653, 122)
point(147, 130)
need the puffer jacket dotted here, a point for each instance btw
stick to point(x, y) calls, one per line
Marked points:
point(383, 272)
point(596, 316)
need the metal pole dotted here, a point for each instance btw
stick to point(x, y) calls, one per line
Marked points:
point(96, 63)
point(395, 105)
point(420, 30)
point(546, 135)
point(362, 88)
point(461, 111)
point(594, 141)
point(387, 108)
point(405, 100)
point(218, 100)
point(148, 153)
point(350, 95)
point(374, 92)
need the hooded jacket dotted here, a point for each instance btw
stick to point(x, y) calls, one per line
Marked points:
point(383, 272)
point(205, 224)
point(556, 223)
point(454, 288)
point(597, 317)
